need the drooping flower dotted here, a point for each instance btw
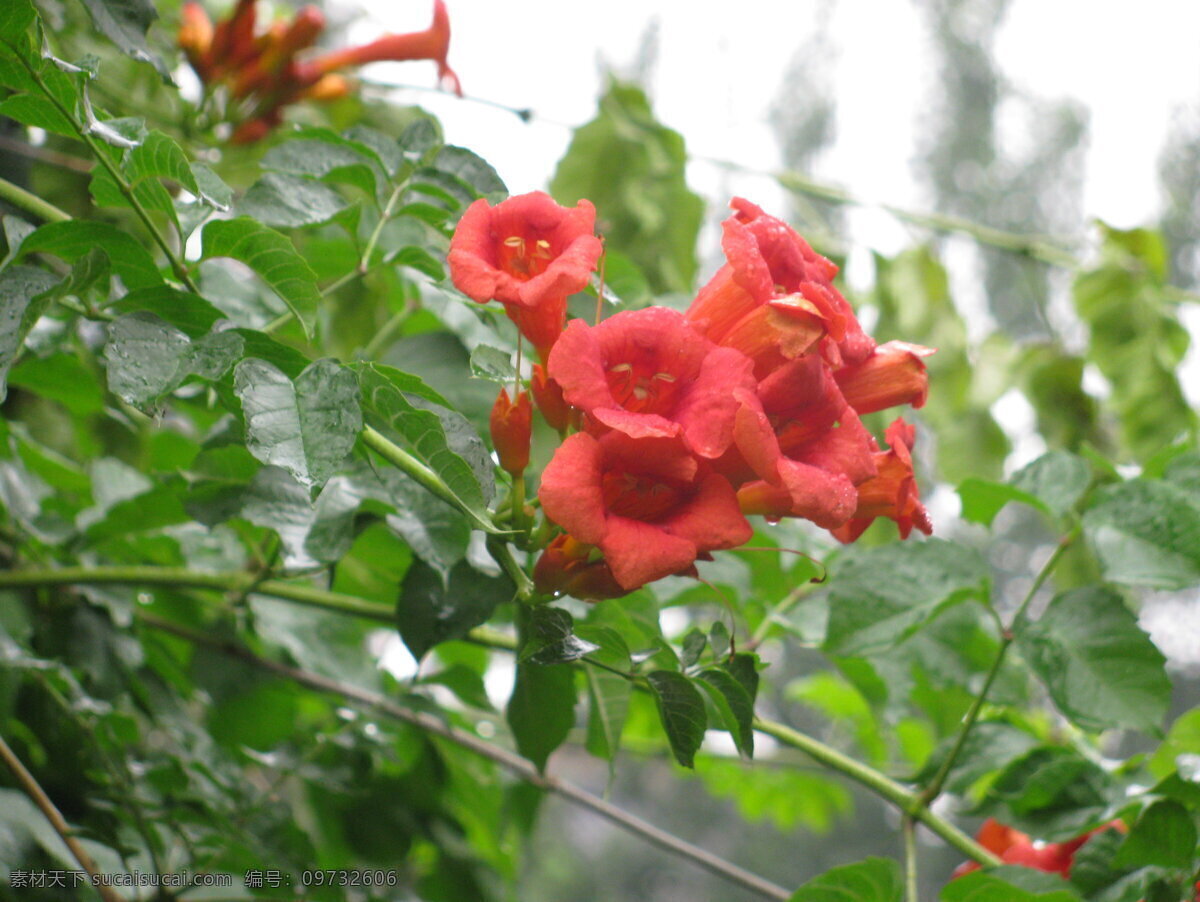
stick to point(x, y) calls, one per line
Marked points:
point(510, 425)
point(647, 373)
point(893, 492)
point(431, 44)
point(644, 502)
point(774, 299)
point(529, 253)
point(893, 374)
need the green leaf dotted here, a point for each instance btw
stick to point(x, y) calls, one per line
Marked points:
point(990, 746)
point(147, 358)
point(1058, 479)
point(1100, 668)
point(784, 797)
point(982, 499)
point(1052, 793)
point(15, 18)
point(633, 169)
point(681, 710)
point(183, 310)
point(404, 407)
point(125, 22)
point(320, 153)
point(465, 682)
point(550, 638)
point(275, 500)
point(541, 709)
point(289, 201)
point(492, 364)
point(718, 638)
point(1164, 835)
point(432, 608)
point(1008, 883)
point(37, 111)
point(608, 692)
point(307, 426)
point(19, 287)
point(62, 378)
point(159, 157)
point(273, 257)
point(743, 667)
point(694, 644)
point(211, 189)
point(872, 880)
point(1182, 739)
point(882, 595)
point(734, 705)
point(470, 168)
point(1146, 533)
point(75, 238)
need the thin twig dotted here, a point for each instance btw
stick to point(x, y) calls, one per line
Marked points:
point(910, 859)
point(506, 759)
point(35, 792)
point(30, 203)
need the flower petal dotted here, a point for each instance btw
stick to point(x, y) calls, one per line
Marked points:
point(638, 553)
point(570, 490)
point(712, 520)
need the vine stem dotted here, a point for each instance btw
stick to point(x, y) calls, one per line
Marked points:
point(503, 757)
point(126, 189)
point(30, 203)
point(35, 792)
point(910, 859)
point(934, 789)
point(878, 783)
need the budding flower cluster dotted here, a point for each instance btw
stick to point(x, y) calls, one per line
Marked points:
point(265, 71)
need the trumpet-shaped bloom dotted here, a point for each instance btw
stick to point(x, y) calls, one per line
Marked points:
point(529, 253)
point(642, 501)
point(893, 492)
point(647, 373)
point(569, 567)
point(774, 299)
point(511, 423)
point(893, 374)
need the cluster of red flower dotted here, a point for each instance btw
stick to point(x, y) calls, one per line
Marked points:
point(263, 74)
point(748, 403)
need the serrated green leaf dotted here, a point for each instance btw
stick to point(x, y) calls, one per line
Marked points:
point(15, 18)
point(289, 201)
point(1183, 738)
point(1050, 792)
point(19, 288)
point(37, 111)
point(880, 596)
point(420, 136)
point(550, 638)
point(211, 188)
point(471, 169)
point(982, 499)
point(872, 880)
point(1146, 533)
point(492, 364)
point(146, 358)
point(391, 399)
point(275, 500)
point(743, 667)
point(694, 644)
point(988, 747)
point(273, 257)
point(187, 312)
point(75, 238)
point(1058, 479)
point(608, 692)
point(681, 710)
point(1008, 884)
point(1100, 668)
point(541, 709)
point(432, 608)
point(319, 153)
point(159, 157)
point(733, 703)
point(1163, 835)
point(307, 426)
point(125, 22)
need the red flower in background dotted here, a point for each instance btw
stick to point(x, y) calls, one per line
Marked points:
point(642, 501)
point(529, 253)
point(1014, 847)
point(648, 373)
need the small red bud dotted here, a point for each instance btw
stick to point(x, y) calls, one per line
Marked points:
point(549, 398)
point(511, 424)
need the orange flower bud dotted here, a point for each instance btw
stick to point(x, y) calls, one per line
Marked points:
point(549, 397)
point(511, 424)
point(573, 568)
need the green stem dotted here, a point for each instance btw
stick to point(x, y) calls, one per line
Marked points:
point(31, 203)
point(910, 859)
point(388, 331)
point(402, 460)
point(122, 183)
point(236, 582)
point(502, 553)
point(934, 789)
point(788, 602)
point(364, 262)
